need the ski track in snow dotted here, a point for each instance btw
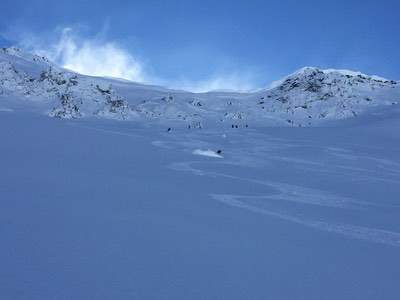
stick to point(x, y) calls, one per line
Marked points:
point(304, 196)
point(113, 132)
point(286, 192)
point(358, 232)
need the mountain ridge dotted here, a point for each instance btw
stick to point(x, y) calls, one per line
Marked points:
point(307, 97)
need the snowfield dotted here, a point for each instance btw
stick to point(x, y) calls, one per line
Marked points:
point(116, 190)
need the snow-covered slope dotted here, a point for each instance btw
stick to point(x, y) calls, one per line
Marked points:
point(90, 209)
point(97, 209)
point(305, 98)
point(62, 93)
point(311, 95)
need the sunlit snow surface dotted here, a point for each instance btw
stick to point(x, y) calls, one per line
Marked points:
point(93, 209)
point(208, 153)
point(193, 196)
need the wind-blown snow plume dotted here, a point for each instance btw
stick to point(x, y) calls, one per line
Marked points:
point(220, 82)
point(94, 57)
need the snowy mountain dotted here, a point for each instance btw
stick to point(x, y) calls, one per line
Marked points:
point(312, 94)
point(98, 209)
point(308, 97)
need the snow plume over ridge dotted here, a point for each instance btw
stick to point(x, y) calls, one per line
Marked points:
point(96, 56)
point(218, 82)
point(93, 57)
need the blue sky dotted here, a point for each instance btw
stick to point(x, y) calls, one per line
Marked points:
point(225, 44)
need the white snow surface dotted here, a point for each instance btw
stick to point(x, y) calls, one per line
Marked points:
point(102, 197)
point(355, 73)
point(209, 153)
